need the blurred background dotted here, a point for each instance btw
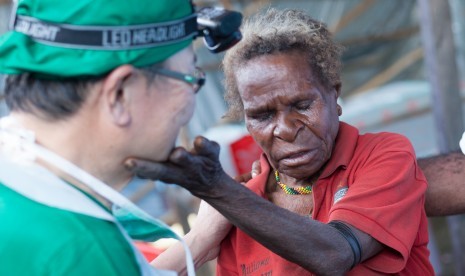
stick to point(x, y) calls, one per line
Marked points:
point(403, 71)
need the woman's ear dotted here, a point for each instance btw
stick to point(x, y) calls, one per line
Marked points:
point(115, 94)
point(337, 87)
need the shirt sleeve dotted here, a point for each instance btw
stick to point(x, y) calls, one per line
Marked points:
point(385, 199)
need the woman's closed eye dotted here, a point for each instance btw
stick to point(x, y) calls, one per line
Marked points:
point(261, 116)
point(303, 105)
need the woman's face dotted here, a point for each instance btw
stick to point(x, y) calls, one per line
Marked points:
point(288, 112)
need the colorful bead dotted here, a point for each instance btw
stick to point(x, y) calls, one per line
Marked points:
point(292, 191)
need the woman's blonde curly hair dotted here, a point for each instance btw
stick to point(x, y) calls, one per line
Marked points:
point(281, 31)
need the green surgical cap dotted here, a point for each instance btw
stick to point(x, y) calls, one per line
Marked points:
point(134, 32)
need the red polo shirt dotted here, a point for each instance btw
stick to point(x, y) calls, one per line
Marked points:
point(373, 183)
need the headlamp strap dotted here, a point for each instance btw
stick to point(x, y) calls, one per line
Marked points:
point(107, 37)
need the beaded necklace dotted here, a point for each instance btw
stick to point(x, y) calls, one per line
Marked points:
point(293, 191)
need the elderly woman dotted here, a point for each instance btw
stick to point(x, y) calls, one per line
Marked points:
point(328, 201)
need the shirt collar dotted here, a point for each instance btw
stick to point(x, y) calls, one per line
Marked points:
point(258, 183)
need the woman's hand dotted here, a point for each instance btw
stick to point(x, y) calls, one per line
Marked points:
point(198, 171)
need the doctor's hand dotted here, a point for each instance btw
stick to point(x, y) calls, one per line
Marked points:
point(209, 230)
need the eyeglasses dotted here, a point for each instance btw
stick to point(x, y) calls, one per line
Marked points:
point(197, 80)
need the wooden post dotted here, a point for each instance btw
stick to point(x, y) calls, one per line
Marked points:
point(441, 68)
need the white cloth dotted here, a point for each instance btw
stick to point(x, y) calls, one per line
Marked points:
point(462, 143)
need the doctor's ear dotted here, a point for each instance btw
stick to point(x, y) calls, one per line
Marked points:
point(116, 95)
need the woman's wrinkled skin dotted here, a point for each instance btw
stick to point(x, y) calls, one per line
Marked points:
point(290, 114)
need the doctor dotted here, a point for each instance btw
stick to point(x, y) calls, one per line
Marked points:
point(89, 84)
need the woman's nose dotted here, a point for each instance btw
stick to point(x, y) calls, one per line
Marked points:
point(287, 127)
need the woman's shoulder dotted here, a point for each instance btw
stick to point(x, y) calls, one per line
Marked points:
point(385, 139)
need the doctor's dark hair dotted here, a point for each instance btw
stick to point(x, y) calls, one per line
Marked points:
point(53, 99)
point(282, 31)
point(48, 99)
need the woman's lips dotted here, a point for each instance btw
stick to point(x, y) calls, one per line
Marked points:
point(298, 158)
